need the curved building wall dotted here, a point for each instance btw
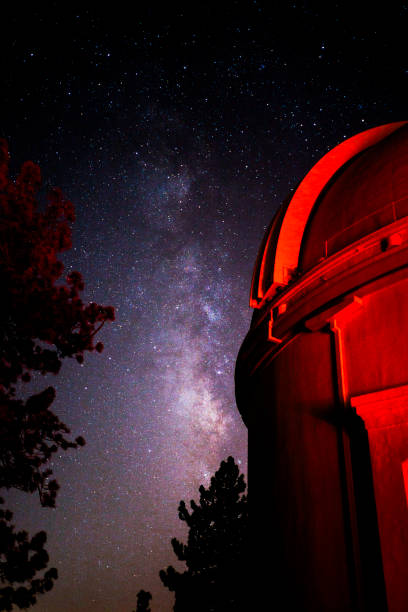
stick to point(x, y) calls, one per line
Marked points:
point(294, 465)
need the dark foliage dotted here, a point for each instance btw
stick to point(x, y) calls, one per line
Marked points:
point(215, 554)
point(20, 560)
point(143, 600)
point(42, 321)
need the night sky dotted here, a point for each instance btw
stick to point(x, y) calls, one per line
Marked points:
point(176, 134)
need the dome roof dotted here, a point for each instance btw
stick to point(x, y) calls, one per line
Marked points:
point(358, 187)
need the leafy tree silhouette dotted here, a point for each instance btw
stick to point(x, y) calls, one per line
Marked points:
point(42, 321)
point(143, 599)
point(21, 558)
point(216, 551)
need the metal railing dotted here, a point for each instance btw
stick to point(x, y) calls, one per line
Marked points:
point(367, 225)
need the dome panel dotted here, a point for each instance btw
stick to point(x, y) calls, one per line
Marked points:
point(262, 278)
point(367, 194)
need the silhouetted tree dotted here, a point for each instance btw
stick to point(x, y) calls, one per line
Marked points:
point(21, 558)
point(216, 551)
point(42, 321)
point(143, 599)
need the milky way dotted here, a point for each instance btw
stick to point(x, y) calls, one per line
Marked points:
point(176, 136)
point(158, 408)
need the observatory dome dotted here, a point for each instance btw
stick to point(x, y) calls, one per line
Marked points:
point(358, 187)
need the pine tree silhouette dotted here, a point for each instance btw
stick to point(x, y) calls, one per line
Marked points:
point(216, 550)
point(143, 599)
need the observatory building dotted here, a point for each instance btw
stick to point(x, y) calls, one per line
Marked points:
point(322, 384)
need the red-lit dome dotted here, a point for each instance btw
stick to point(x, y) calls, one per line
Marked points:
point(358, 187)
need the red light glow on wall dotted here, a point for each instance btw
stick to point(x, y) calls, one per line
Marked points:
point(405, 476)
point(385, 415)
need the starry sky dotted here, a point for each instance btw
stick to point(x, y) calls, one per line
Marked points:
point(177, 133)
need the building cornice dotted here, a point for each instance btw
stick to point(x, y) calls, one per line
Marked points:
point(371, 263)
